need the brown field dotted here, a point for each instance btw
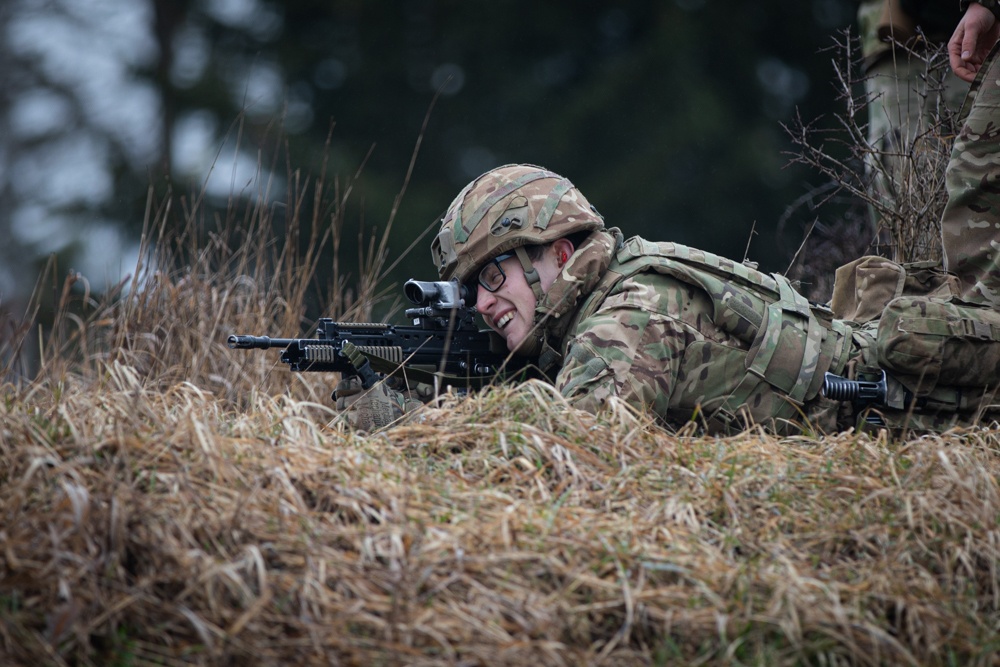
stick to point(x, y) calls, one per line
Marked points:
point(166, 500)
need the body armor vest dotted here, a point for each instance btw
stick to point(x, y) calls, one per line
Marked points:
point(789, 342)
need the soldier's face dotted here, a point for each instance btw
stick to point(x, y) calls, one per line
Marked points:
point(510, 310)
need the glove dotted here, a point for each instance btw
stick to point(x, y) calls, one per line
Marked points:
point(368, 410)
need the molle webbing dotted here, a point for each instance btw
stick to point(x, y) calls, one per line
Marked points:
point(928, 344)
point(762, 310)
point(791, 327)
point(638, 255)
point(464, 228)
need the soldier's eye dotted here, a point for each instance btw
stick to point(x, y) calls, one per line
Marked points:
point(492, 276)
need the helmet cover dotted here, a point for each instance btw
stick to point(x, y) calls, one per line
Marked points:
point(507, 208)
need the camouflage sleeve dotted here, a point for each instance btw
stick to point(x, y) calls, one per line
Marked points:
point(630, 347)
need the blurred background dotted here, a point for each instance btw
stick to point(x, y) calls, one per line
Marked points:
point(667, 114)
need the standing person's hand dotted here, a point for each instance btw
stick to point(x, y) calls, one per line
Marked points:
point(972, 41)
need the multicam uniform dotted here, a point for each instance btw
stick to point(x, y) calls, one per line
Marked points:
point(690, 335)
point(693, 336)
point(685, 333)
point(970, 226)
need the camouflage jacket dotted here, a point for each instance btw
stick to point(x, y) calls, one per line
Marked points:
point(691, 336)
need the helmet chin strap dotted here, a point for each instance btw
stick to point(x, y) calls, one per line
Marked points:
point(535, 343)
point(530, 272)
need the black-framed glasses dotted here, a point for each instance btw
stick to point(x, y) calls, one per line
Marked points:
point(492, 276)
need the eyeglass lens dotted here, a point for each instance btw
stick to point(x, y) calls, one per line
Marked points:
point(492, 276)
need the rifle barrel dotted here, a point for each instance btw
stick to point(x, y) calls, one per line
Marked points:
point(257, 342)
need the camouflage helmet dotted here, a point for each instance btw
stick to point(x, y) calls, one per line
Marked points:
point(507, 208)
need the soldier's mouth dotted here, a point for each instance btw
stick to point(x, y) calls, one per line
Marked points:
point(504, 319)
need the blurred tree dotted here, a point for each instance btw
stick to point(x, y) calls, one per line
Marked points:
point(78, 117)
point(667, 114)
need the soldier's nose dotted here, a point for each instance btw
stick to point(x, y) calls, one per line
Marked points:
point(485, 299)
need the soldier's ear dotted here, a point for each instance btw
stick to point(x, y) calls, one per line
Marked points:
point(563, 249)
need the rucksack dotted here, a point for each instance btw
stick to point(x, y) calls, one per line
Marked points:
point(943, 353)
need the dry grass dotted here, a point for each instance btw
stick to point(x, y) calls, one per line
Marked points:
point(169, 527)
point(166, 500)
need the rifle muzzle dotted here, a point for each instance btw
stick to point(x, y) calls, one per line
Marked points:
point(237, 342)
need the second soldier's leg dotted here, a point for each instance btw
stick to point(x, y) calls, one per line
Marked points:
point(907, 99)
point(970, 226)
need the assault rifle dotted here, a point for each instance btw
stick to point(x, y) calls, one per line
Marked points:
point(443, 346)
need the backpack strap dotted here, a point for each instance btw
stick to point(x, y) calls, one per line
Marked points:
point(790, 327)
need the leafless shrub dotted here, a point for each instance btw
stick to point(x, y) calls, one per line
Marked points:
point(890, 197)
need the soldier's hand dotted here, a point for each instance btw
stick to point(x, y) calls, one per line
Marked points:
point(368, 410)
point(972, 41)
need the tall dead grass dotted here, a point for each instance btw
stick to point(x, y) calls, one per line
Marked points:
point(166, 500)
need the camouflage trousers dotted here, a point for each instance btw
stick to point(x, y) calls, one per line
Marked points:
point(970, 225)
